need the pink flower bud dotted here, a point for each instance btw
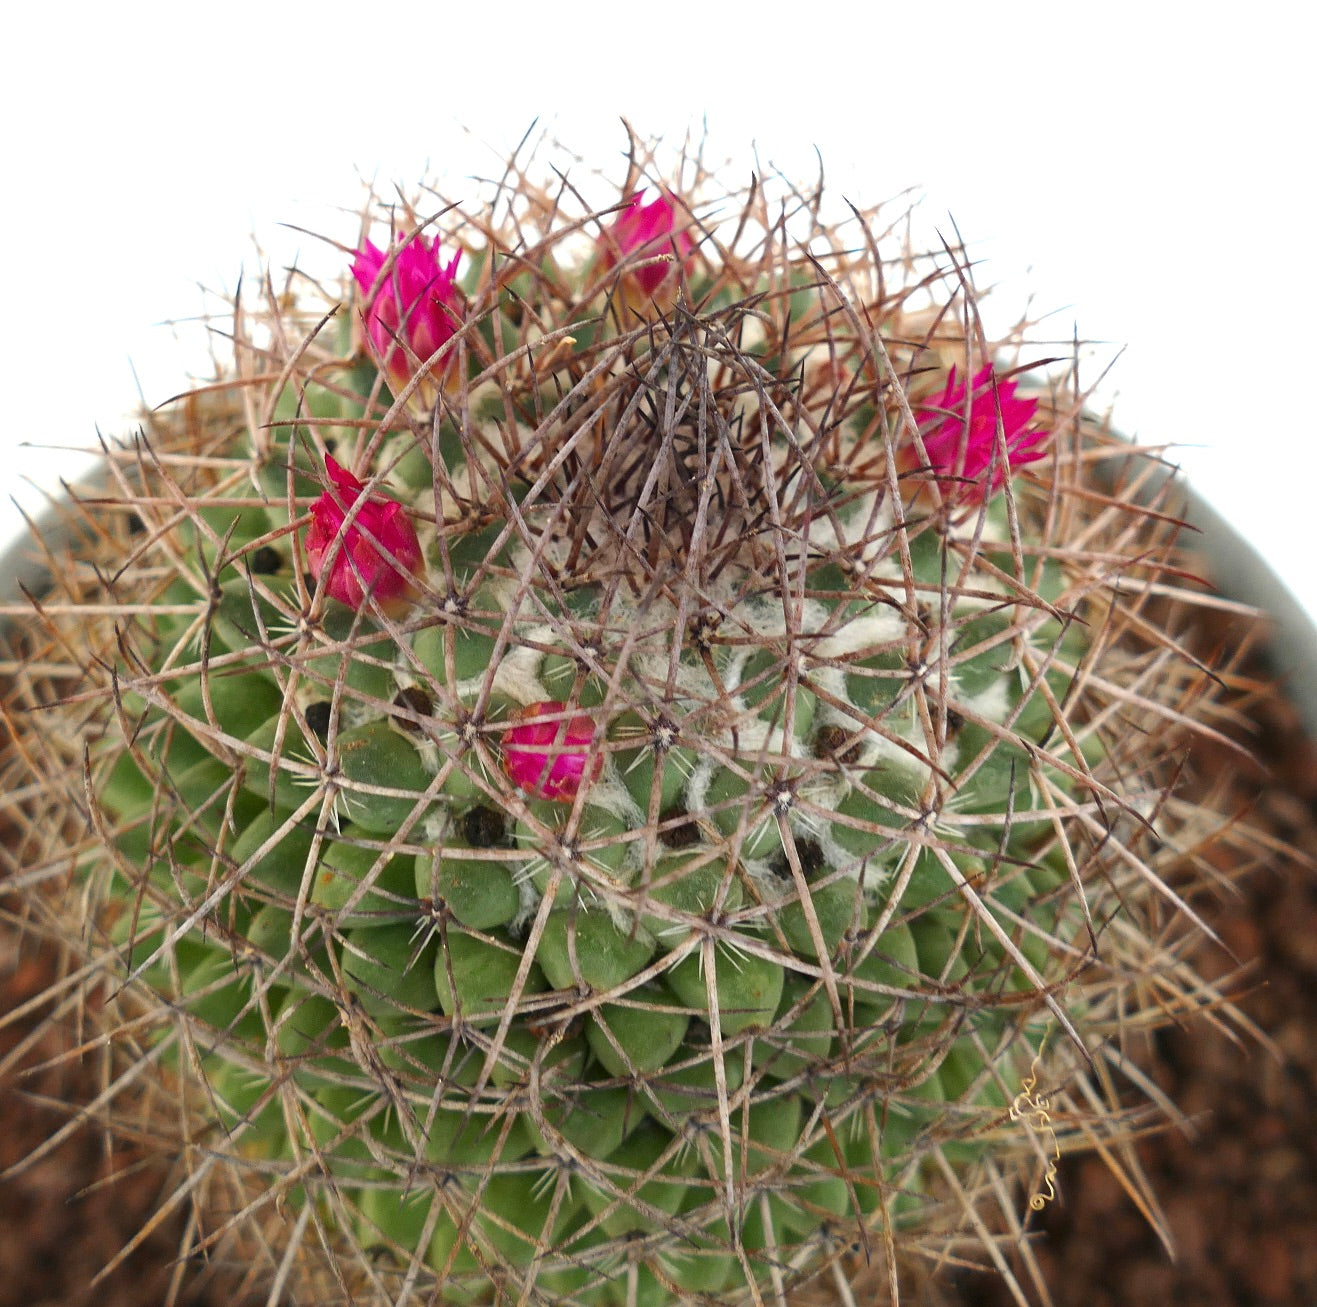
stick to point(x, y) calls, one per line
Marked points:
point(377, 555)
point(547, 753)
point(960, 438)
point(648, 232)
point(413, 306)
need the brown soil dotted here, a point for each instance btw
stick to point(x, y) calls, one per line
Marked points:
point(67, 1215)
point(1239, 1194)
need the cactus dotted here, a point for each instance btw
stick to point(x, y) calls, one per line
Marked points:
point(589, 772)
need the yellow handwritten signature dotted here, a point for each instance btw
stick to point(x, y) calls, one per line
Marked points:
point(1035, 1111)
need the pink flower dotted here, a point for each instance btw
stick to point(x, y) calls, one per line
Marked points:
point(413, 306)
point(643, 232)
point(548, 753)
point(961, 439)
point(377, 555)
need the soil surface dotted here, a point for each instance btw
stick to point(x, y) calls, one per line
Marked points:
point(1238, 1195)
point(66, 1216)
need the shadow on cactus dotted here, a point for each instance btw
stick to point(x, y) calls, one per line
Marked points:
point(608, 752)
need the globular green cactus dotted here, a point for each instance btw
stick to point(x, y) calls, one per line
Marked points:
point(592, 766)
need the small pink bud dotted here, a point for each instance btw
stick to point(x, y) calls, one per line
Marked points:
point(645, 232)
point(548, 754)
point(377, 555)
point(413, 306)
point(961, 439)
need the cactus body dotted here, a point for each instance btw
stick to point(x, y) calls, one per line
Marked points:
point(650, 871)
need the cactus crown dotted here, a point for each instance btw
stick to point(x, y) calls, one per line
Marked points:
point(592, 770)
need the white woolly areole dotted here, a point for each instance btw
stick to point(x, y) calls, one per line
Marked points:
point(609, 793)
point(518, 672)
point(880, 626)
point(876, 869)
point(994, 703)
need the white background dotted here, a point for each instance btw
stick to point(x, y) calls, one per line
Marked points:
point(1140, 171)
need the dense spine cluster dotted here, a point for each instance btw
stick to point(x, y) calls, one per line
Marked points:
point(610, 762)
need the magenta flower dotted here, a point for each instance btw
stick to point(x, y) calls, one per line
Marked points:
point(648, 231)
point(548, 754)
point(376, 555)
point(413, 306)
point(960, 439)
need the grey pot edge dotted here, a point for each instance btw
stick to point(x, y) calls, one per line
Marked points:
point(1239, 572)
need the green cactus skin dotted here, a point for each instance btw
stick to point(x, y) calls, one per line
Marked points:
point(866, 759)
